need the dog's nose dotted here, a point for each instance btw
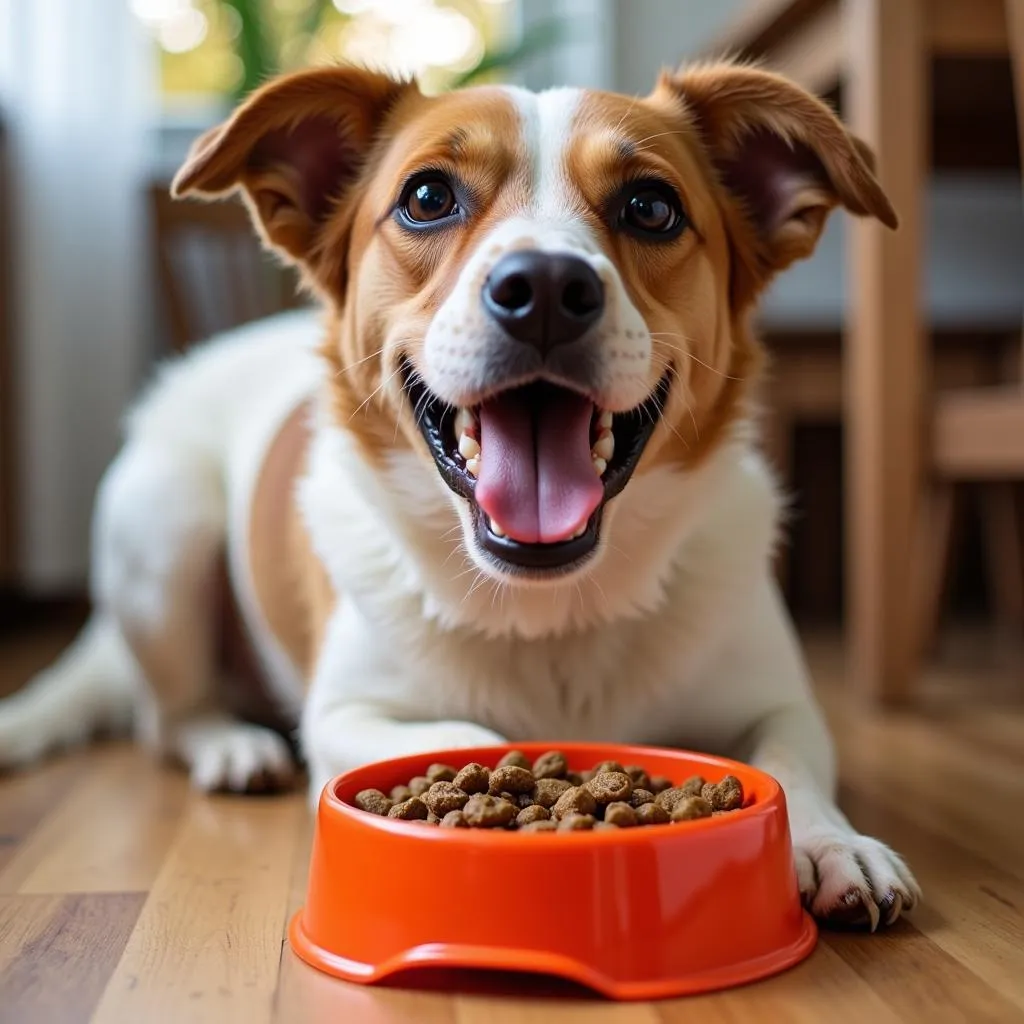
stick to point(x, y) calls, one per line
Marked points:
point(543, 299)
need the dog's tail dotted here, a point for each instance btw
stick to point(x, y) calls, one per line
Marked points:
point(91, 688)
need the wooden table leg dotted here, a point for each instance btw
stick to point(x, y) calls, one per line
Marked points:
point(886, 97)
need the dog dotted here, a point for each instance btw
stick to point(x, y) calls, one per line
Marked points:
point(510, 488)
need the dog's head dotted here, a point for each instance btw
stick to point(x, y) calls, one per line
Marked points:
point(544, 296)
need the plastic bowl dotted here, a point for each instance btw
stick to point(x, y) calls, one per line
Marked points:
point(640, 913)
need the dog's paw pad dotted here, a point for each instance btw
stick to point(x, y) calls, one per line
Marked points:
point(242, 758)
point(851, 881)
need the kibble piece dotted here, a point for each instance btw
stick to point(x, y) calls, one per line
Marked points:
point(482, 811)
point(691, 807)
point(652, 814)
point(547, 791)
point(576, 823)
point(602, 826)
point(443, 797)
point(524, 800)
point(419, 785)
point(575, 778)
point(551, 765)
point(373, 801)
point(400, 794)
point(609, 766)
point(511, 779)
point(441, 773)
point(608, 787)
point(454, 819)
point(433, 819)
point(668, 798)
point(577, 800)
point(540, 826)
point(586, 775)
point(411, 810)
point(515, 759)
point(659, 784)
point(727, 795)
point(531, 814)
point(638, 776)
point(693, 785)
point(474, 778)
point(620, 814)
point(641, 797)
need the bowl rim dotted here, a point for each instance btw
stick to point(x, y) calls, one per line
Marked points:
point(331, 803)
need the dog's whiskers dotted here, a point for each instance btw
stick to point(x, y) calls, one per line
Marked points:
point(688, 353)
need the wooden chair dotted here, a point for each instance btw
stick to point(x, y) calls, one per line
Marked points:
point(978, 435)
point(212, 272)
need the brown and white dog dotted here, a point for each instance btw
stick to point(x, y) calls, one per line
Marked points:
point(511, 489)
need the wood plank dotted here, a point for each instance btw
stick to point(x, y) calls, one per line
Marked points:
point(972, 909)
point(58, 952)
point(27, 797)
point(824, 987)
point(885, 91)
point(109, 833)
point(207, 946)
point(979, 435)
point(920, 981)
point(578, 1011)
point(968, 29)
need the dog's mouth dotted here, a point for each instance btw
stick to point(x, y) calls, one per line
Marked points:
point(537, 464)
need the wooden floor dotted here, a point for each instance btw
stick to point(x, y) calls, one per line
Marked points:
point(126, 898)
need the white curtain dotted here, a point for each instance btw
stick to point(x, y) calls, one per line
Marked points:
point(76, 87)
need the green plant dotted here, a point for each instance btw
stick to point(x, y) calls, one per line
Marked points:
point(260, 56)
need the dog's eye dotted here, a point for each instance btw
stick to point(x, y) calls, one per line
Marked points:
point(652, 209)
point(430, 200)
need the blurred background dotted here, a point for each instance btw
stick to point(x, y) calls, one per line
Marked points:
point(894, 407)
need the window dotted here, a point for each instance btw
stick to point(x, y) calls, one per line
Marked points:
point(215, 51)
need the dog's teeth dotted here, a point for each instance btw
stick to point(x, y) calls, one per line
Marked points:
point(496, 528)
point(604, 421)
point(469, 448)
point(473, 466)
point(579, 533)
point(465, 422)
point(604, 448)
point(600, 465)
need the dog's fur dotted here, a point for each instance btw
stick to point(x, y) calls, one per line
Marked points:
point(377, 619)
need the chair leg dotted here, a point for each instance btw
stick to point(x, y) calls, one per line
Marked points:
point(1004, 552)
point(936, 538)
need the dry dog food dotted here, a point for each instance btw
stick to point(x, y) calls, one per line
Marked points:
point(546, 796)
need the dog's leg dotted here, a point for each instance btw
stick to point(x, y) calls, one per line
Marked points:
point(343, 728)
point(160, 527)
point(845, 878)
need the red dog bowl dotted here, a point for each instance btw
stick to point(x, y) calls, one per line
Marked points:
point(640, 913)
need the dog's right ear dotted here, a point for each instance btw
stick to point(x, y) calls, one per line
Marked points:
point(293, 148)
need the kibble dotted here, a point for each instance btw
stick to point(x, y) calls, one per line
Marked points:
point(419, 785)
point(515, 759)
point(441, 773)
point(443, 797)
point(577, 800)
point(545, 795)
point(511, 779)
point(410, 810)
point(550, 766)
point(484, 811)
point(474, 778)
point(373, 801)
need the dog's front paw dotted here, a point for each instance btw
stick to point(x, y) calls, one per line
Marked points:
point(852, 881)
point(235, 757)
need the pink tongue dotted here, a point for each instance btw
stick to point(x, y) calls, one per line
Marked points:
point(536, 479)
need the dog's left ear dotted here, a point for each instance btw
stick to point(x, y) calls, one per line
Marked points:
point(781, 153)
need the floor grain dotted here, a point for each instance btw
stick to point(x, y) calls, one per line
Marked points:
point(124, 897)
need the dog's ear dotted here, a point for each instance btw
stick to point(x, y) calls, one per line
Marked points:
point(781, 153)
point(292, 148)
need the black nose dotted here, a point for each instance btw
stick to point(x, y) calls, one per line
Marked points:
point(543, 299)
